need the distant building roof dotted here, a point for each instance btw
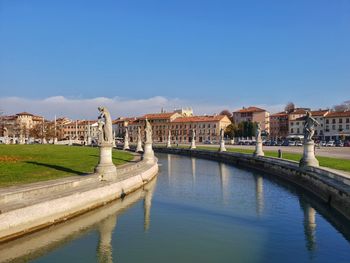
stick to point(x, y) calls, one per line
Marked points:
point(214, 118)
point(319, 112)
point(250, 109)
point(280, 114)
point(338, 114)
point(159, 116)
point(24, 113)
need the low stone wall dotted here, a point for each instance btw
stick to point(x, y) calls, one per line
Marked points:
point(35, 206)
point(330, 186)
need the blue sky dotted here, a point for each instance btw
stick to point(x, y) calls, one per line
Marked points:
point(200, 52)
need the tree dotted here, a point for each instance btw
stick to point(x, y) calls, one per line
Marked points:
point(41, 130)
point(227, 113)
point(289, 107)
point(231, 131)
point(345, 106)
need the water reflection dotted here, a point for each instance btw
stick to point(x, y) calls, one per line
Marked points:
point(309, 224)
point(225, 182)
point(103, 219)
point(259, 194)
point(193, 165)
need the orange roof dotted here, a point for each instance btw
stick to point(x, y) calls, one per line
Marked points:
point(319, 112)
point(158, 116)
point(279, 114)
point(199, 119)
point(123, 119)
point(250, 109)
point(299, 111)
point(338, 114)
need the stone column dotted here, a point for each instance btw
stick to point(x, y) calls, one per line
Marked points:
point(139, 141)
point(126, 140)
point(309, 158)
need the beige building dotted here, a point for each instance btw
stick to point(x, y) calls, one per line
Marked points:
point(179, 123)
point(20, 123)
point(279, 125)
point(337, 126)
point(253, 114)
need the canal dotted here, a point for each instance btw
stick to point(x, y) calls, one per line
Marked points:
point(196, 211)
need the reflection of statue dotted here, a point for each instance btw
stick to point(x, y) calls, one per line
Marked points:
point(258, 131)
point(107, 132)
point(309, 127)
point(148, 131)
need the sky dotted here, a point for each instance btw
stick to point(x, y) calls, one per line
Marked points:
point(64, 56)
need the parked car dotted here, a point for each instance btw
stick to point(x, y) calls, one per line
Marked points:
point(291, 143)
point(298, 143)
point(208, 142)
point(323, 143)
point(285, 143)
point(330, 144)
point(339, 144)
point(347, 144)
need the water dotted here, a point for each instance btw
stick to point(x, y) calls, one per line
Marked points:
point(196, 211)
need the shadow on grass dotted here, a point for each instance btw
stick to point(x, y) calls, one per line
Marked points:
point(57, 167)
point(115, 158)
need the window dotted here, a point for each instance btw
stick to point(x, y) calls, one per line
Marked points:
point(340, 120)
point(327, 121)
point(333, 127)
point(291, 130)
point(347, 120)
point(333, 120)
point(347, 126)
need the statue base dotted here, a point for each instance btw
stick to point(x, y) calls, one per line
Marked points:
point(148, 154)
point(139, 147)
point(309, 158)
point(258, 149)
point(55, 140)
point(193, 145)
point(105, 167)
point(222, 146)
point(168, 144)
point(126, 146)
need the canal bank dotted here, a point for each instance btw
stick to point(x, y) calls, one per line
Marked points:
point(331, 187)
point(28, 208)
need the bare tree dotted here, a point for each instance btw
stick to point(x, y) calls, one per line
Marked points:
point(227, 113)
point(289, 107)
point(345, 106)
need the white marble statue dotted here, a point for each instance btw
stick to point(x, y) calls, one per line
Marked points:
point(222, 134)
point(148, 131)
point(258, 132)
point(107, 131)
point(309, 127)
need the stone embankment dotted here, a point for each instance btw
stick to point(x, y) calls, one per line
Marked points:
point(332, 187)
point(28, 208)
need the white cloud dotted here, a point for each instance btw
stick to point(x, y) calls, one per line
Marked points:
point(77, 108)
point(87, 108)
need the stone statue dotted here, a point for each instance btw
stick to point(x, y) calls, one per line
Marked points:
point(148, 131)
point(222, 134)
point(139, 140)
point(193, 134)
point(100, 124)
point(107, 131)
point(258, 132)
point(309, 127)
point(5, 131)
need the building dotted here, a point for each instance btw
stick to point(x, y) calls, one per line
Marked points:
point(297, 122)
point(337, 126)
point(78, 129)
point(20, 124)
point(279, 125)
point(180, 123)
point(253, 114)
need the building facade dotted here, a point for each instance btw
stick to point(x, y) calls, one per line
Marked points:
point(279, 125)
point(337, 126)
point(253, 114)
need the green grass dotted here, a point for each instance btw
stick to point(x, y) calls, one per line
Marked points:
point(334, 163)
point(20, 164)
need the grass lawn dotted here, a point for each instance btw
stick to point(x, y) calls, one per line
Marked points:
point(21, 164)
point(334, 163)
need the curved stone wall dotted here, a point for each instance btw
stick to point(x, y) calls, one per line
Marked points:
point(32, 207)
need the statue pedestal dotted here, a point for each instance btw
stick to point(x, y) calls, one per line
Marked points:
point(222, 146)
point(55, 140)
point(148, 154)
point(258, 149)
point(126, 145)
point(105, 166)
point(168, 144)
point(193, 144)
point(139, 146)
point(309, 158)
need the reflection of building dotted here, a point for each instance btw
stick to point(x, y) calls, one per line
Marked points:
point(253, 114)
point(106, 228)
point(180, 123)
